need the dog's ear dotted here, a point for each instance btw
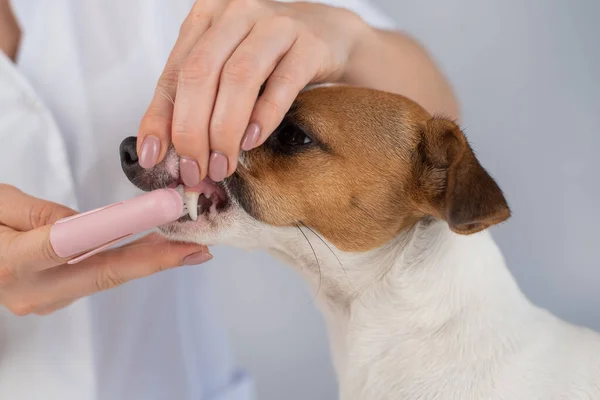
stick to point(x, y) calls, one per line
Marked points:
point(460, 190)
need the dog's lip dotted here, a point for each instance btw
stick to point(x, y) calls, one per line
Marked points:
point(211, 191)
point(218, 186)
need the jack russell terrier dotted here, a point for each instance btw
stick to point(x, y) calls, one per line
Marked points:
point(384, 210)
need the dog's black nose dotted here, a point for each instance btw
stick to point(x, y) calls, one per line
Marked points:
point(128, 150)
point(145, 179)
point(129, 161)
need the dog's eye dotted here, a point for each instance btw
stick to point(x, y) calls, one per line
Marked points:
point(291, 136)
point(289, 139)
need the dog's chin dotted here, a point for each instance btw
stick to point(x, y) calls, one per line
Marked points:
point(208, 229)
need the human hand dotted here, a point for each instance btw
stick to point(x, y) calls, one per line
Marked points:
point(206, 102)
point(33, 279)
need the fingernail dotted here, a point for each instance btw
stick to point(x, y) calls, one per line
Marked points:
point(189, 171)
point(217, 169)
point(250, 137)
point(149, 152)
point(197, 258)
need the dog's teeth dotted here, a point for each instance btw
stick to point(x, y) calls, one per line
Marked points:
point(191, 203)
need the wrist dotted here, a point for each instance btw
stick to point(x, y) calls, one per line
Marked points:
point(362, 37)
point(366, 42)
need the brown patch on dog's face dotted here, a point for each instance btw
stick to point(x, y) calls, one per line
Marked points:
point(359, 166)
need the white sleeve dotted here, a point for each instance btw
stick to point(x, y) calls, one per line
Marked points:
point(32, 152)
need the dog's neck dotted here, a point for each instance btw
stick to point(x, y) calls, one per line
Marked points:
point(428, 294)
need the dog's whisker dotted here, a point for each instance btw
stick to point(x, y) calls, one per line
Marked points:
point(316, 259)
point(332, 252)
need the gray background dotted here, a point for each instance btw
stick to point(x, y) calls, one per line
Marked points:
point(526, 76)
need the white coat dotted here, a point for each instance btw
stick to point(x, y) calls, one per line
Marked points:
point(85, 73)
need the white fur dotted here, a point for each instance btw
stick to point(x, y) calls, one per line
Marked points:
point(432, 315)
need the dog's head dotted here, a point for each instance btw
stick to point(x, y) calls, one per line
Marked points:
point(354, 165)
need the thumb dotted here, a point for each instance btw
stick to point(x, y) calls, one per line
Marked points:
point(26, 244)
point(31, 251)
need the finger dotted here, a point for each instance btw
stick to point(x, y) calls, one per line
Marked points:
point(27, 252)
point(104, 271)
point(23, 212)
point(197, 88)
point(26, 246)
point(243, 74)
point(297, 69)
point(154, 133)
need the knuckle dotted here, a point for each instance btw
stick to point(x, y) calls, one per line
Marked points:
point(240, 69)
point(44, 213)
point(185, 27)
point(39, 214)
point(196, 68)
point(270, 106)
point(286, 79)
point(182, 132)
point(108, 278)
point(169, 77)
point(197, 16)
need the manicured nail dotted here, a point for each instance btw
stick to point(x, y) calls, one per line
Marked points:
point(197, 258)
point(250, 137)
point(217, 170)
point(149, 152)
point(189, 171)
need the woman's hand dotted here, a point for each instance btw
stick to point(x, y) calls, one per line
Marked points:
point(206, 102)
point(33, 279)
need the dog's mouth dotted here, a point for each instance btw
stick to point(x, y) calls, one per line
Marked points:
point(203, 200)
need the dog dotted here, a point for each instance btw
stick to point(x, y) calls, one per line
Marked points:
point(384, 210)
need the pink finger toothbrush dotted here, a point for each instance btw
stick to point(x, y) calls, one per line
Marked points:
point(83, 235)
